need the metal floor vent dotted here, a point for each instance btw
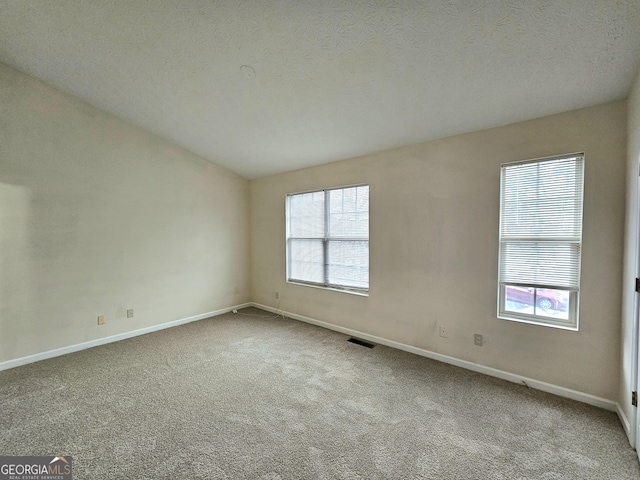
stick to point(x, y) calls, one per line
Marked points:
point(357, 341)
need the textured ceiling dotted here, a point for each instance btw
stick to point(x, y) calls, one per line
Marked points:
point(263, 87)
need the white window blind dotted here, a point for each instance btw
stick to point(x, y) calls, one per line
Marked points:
point(541, 224)
point(328, 238)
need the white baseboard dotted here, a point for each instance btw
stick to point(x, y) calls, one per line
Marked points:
point(113, 338)
point(625, 422)
point(493, 372)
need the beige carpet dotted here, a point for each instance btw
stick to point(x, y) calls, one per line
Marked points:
point(240, 396)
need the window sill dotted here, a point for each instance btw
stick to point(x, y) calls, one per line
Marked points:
point(539, 322)
point(358, 293)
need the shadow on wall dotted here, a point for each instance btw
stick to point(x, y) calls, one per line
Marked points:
point(16, 266)
point(39, 251)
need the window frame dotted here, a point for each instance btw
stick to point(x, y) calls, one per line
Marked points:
point(573, 307)
point(326, 238)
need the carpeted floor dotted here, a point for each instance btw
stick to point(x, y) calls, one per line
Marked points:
point(247, 396)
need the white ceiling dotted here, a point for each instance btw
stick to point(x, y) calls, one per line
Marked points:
point(262, 87)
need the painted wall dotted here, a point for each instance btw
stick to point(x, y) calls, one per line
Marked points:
point(630, 272)
point(434, 211)
point(98, 216)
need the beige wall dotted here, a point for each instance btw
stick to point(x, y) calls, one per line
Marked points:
point(433, 231)
point(630, 252)
point(97, 216)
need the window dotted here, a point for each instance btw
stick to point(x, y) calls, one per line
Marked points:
point(328, 238)
point(540, 241)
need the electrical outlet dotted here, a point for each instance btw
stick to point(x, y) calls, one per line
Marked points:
point(277, 295)
point(443, 331)
point(130, 313)
point(100, 319)
point(477, 339)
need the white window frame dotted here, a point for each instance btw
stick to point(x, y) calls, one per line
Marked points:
point(572, 323)
point(326, 238)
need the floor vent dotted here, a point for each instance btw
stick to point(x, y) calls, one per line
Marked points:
point(357, 341)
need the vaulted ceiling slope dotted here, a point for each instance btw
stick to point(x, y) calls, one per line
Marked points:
point(263, 87)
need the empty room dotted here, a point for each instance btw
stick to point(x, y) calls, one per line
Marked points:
point(319, 239)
